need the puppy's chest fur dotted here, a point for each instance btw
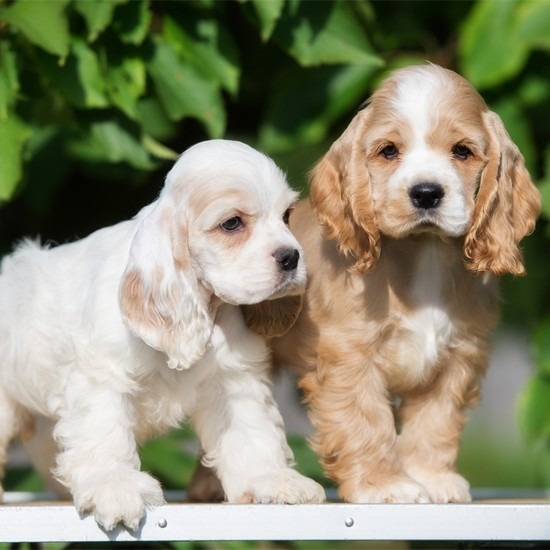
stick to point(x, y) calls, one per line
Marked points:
point(427, 319)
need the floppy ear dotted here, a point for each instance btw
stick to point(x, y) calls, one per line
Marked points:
point(506, 209)
point(273, 318)
point(160, 298)
point(341, 197)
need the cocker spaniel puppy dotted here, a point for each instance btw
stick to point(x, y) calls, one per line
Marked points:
point(120, 336)
point(413, 212)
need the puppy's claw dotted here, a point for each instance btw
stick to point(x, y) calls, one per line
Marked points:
point(121, 498)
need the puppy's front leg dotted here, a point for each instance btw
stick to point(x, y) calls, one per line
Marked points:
point(99, 462)
point(355, 433)
point(242, 433)
point(432, 424)
point(239, 424)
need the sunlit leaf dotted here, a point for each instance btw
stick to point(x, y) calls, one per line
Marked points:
point(202, 42)
point(315, 33)
point(183, 91)
point(491, 51)
point(157, 149)
point(268, 13)
point(125, 82)
point(13, 135)
point(45, 24)
point(131, 21)
point(110, 140)
point(533, 24)
point(80, 79)
point(97, 15)
point(515, 122)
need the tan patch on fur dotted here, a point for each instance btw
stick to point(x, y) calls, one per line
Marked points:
point(272, 318)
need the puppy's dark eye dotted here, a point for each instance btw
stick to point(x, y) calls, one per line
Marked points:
point(232, 224)
point(389, 152)
point(286, 216)
point(462, 152)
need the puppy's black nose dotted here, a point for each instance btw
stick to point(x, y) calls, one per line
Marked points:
point(426, 195)
point(287, 258)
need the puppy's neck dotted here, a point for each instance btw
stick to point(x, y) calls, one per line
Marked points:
point(421, 268)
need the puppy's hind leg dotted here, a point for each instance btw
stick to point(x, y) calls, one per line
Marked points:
point(204, 485)
point(11, 422)
point(42, 452)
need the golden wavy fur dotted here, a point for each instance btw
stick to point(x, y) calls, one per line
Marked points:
point(412, 212)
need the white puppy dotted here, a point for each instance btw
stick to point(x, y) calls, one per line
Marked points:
point(120, 336)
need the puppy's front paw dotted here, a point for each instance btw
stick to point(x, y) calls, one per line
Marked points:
point(444, 487)
point(119, 497)
point(284, 486)
point(394, 489)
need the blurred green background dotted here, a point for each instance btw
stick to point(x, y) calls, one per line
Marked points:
point(98, 97)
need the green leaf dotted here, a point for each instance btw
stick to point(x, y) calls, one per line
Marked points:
point(43, 23)
point(534, 408)
point(126, 82)
point(317, 33)
point(165, 459)
point(541, 341)
point(533, 26)
point(80, 79)
point(517, 125)
point(544, 186)
point(111, 141)
point(183, 91)
point(490, 50)
point(153, 119)
point(9, 81)
point(202, 42)
point(268, 12)
point(307, 103)
point(97, 15)
point(131, 21)
point(13, 135)
point(157, 149)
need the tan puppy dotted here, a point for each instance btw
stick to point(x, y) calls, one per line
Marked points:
point(413, 211)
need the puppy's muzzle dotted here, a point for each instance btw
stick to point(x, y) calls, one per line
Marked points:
point(426, 195)
point(287, 258)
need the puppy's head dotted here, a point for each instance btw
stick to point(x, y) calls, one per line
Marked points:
point(427, 156)
point(217, 234)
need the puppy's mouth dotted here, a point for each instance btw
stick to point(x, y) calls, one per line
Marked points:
point(427, 225)
point(431, 223)
point(290, 284)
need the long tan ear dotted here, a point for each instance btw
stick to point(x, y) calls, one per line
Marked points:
point(341, 197)
point(506, 209)
point(160, 298)
point(273, 318)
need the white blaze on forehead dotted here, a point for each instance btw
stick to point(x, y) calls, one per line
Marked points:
point(416, 100)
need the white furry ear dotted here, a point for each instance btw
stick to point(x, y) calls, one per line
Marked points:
point(160, 298)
